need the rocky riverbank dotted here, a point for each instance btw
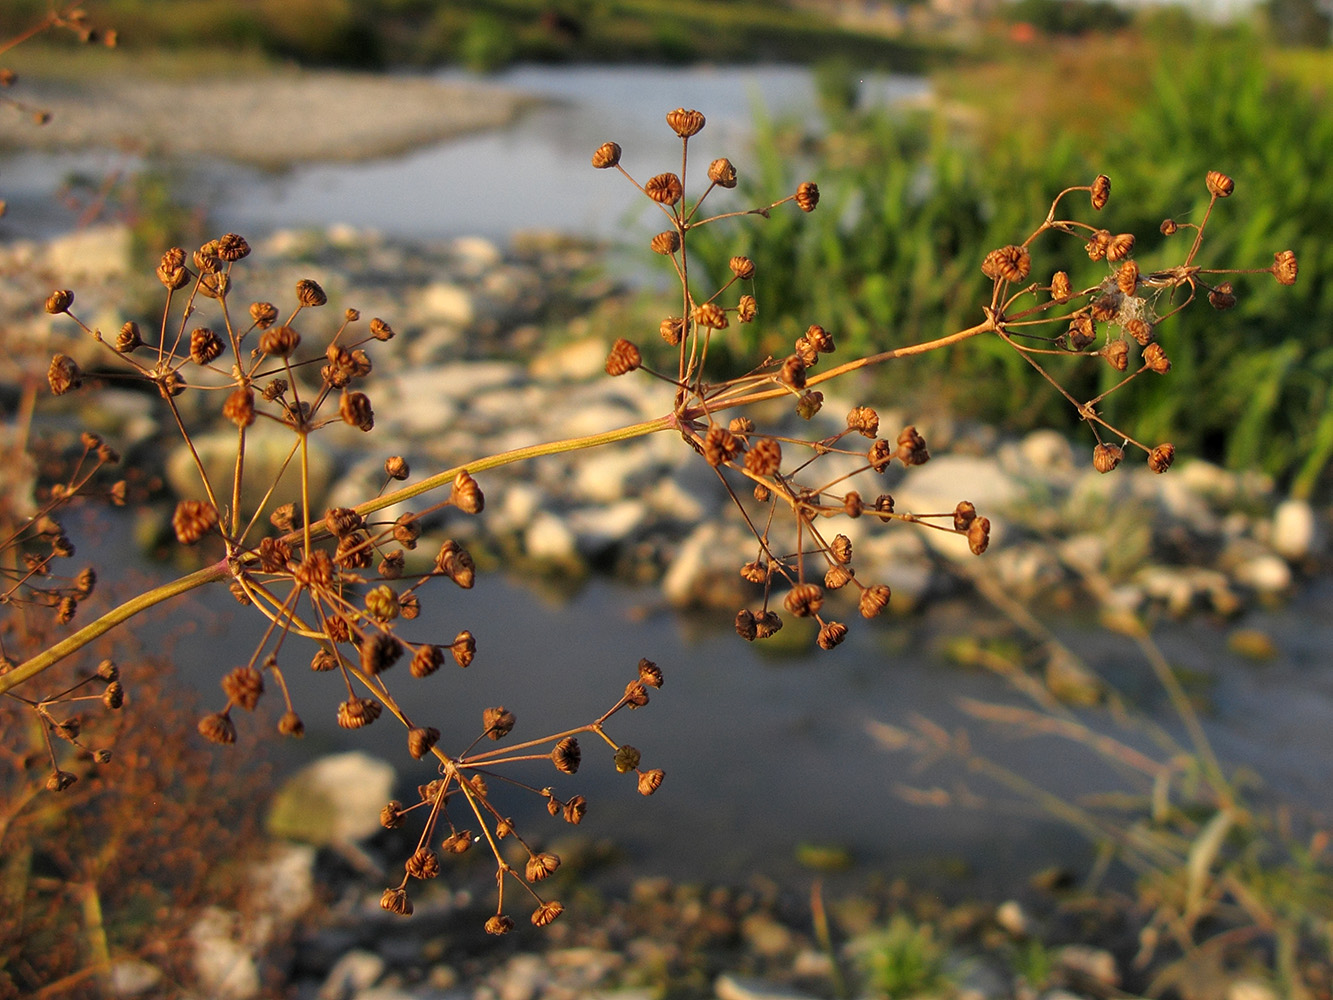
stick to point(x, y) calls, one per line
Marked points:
point(503, 348)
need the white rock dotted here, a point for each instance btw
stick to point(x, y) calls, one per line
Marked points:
point(1250, 989)
point(1046, 450)
point(712, 551)
point(446, 302)
point(285, 880)
point(549, 539)
point(97, 253)
point(730, 986)
point(582, 359)
point(267, 447)
point(356, 971)
point(598, 529)
point(941, 483)
point(131, 977)
point(1267, 574)
point(1296, 532)
point(223, 966)
point(475, 254)
point(336, 799)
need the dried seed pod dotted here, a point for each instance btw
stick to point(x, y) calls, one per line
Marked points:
point(232, 247)
point(650, 673)
point(63, 375)
point(1219, 184)
point(546, 913)
point(1096, 246)
point(963, 515)
point(129, 339)
point(575, 809)
point(1061, 289)
point(767, 623)
point(497, 722)
point(1105, 307)
point(1120, 247)
point(240, 406)
point(742, 267)
point(809, 404)
point(764, 457)
point(309, 294)
point(606, 155)
point(380, 651)
point(665, 243)
point(355, 713)
point(852, 504)
point(819, 338)
point(978, 535)
point(420, 740)
point(342, 521)
point(391, 568)
point(804, 600)
point(426, 659)
point(291, 725)
point(831, 635)
point(323, 660)
point(1222, 297)
point(880, 455)
point(672, 330)
point(423, 864)
point(114, 695)
point(355, 410)
point(1155, 358)
point(1116, 353)
point(627, 758)
point(1141, 330)
point(1285, 267)
point(243, 686)
point(912, 447)
point(458, 842)
point(501, 924)
point(1010, 263)
point(217, 728)
point(279, 341)
point(1106, 457)
point(636, 694)
point(59, 301)
point(1161, 457)
point(392, 815)
point(836, 577)
point(58, 780)
point(624, 358)
point(1169, 227)
point(874, 600)
point(464, 648)
point(792, 372)
point(466, 495)
point(841, 549)
point(650, 781)
point(396, 468)
point(863, 420)
point(1127, 277)
point(193, 520)
point(720, 445)
point(745, 625)
point(685, 123)
point(711, 315)
point(722, 173)
point(1081, 333)
point(747, 308)
point(807, 196)
point(665, 189)
point(1101, 192)
point(541, 866)
point(396, 901)
point(566, 755)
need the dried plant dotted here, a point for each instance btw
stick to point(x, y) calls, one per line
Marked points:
point(351, 583)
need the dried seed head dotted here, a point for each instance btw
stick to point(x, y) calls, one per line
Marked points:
point(459, 842)
point(807, 196)
point(1101, 191)
point(1161, 457)
point(59, 301)
point(606, 155)
point(285, 518)
point(1155, 358)
point(665, 243)
point(672, 330)
point(420, 741)
point(355, 410)
point(541, 866)
point(1284, 267)
point(206, 258)
point(874, 600)
point(912, 447)
point(804, 600)
point(1010, 263)
point(464, 648)
point(1061, 289)
point(1106, 457)
point(357, 712)
point(742, 267)
point(636, 694)
point(497, 722)
point(291, 725)
point(963, 515)
point(546, 913)
point(792, 372)
point(1096, 246)
point(84, 582)
point(1082, 332)
point(767, 623)
point(809, 404)
point(819, 338)
point(566, 755)
point(831, 635)
point(764, 457)
point(1222, 298)
point(880, 455)
point(380, 651)
point(978, 535)
point(466, 495)
point(193, 520)
point(745, 625)
point(391, 568)
point(722, 173)
point(1219, 184)
point(232, 247)
point(240, 406)
point(1120, 247)
point(650, 781)
point(114, 695)
point(406, 530)
point(1116, 353)
point(685, 123)
point(396, 901)
point(243, 686)
point(747, 308)
point(624, 358)
point(501, 924)
point(308, 293)
point(423, 864)
point(396, 468)
point(342, 521)
point(426, 660)
point(392, 815)
point(217, 728)
point(58, 780)
point(129, 338)
point(884, 503)
point(108, 671)
point(837, 577)
point(63, 375)
point(575, 809)
point(650, 673)
point(335, 626)
point(720, 445)
point(711, 315)
point(863, 420)
point(1141, 330)
point(1127, 277)
point(279, 341)
point(323, 660)
point(665, 189)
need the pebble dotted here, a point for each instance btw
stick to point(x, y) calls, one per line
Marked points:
point(336, 799)
point(729, 986)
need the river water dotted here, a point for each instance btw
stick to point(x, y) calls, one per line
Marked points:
point(762, 754)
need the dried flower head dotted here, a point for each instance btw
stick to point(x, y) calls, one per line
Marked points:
point(1284, 267)
point(59, 301)
point(1106, 457)
point(650, 781)
point(1101, 191)
point(722, 173)
point(874, 600)
point(1155, 358)
point(466, 495)
point(685, 123)
point(624, 358)
point(665, 189)
point(566, 755)
point(243, 686)
point(606, 155)
point(665, 243)
point(217, 728)
point(807, 196)
point(1161, 457)
point(63, 375)
point(711, 315)
point(309, 294)
point(497, 722)
point(1219, 184)
point(742, 267)
point(193, 520)
point(804, 600)
point(1010, 263)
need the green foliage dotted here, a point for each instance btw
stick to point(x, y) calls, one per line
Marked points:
point(904, 960)
point(1069, 17)
point(910, 206)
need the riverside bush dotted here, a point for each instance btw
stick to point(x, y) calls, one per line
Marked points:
point(341, 588)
